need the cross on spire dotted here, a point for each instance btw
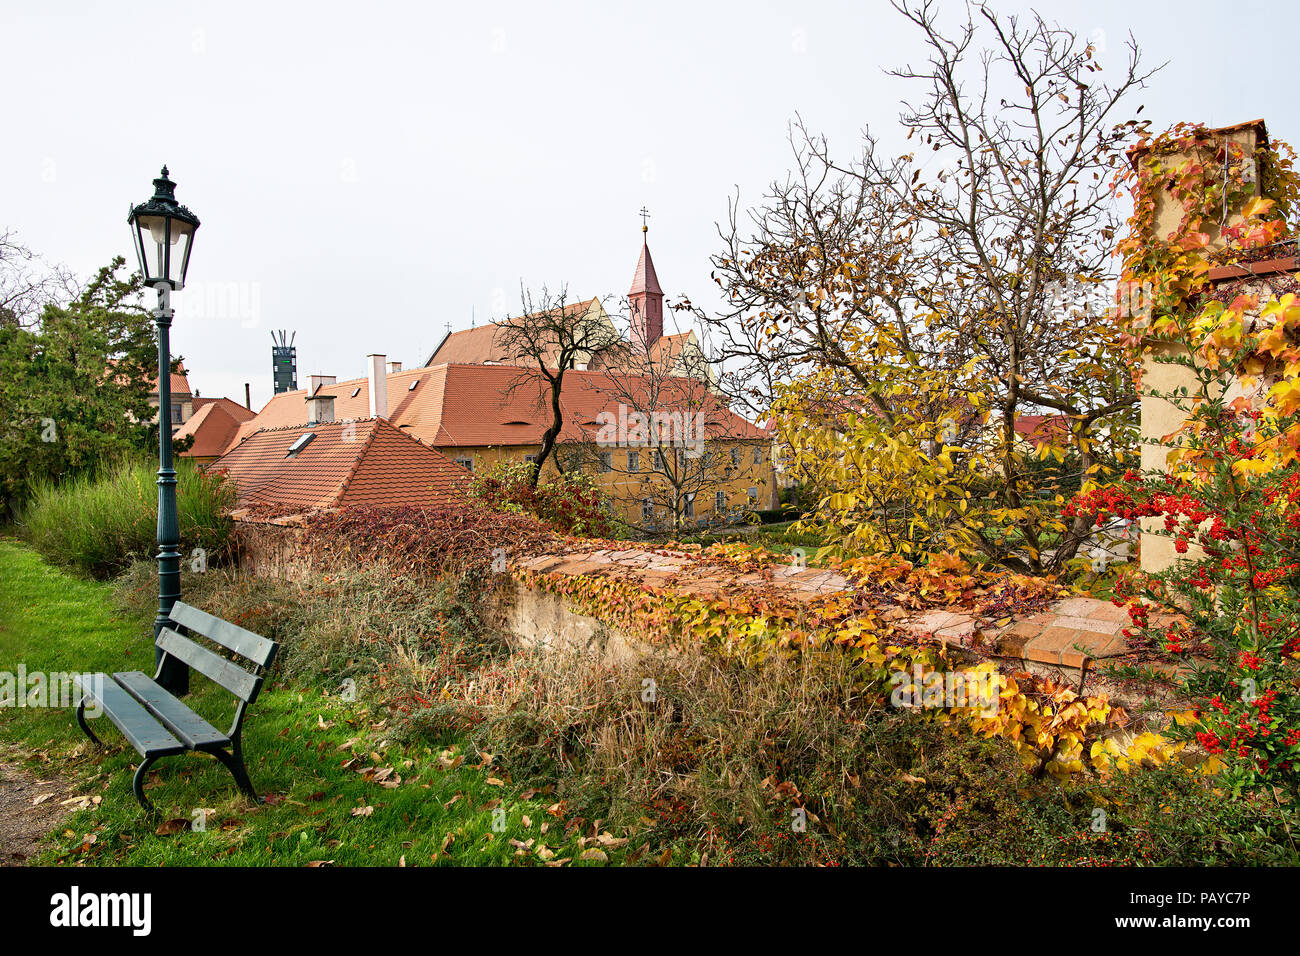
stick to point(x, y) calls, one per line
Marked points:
point(644, 214)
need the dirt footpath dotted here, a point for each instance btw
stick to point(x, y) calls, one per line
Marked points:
point(29, 809)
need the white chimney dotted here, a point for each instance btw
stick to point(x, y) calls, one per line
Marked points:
point(378, 386)
point(320, 408)
point(394, 367)
point(314, 382)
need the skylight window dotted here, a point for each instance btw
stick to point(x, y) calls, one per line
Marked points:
point(300, 443)
point(356, 391)
point(414, 383)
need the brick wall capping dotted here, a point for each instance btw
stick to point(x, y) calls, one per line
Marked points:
point(1246, 270)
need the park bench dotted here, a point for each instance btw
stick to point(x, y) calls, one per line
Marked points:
point(157, 724)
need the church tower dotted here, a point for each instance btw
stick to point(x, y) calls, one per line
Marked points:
point(646, 298)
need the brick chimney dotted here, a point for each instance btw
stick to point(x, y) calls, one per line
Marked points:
point(378, 385)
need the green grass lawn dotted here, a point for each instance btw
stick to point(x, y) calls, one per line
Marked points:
point(336, 789)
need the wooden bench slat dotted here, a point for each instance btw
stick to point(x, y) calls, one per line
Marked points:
point(258, 649)
point(141, 729)
point(196, 732)
point(233, 678)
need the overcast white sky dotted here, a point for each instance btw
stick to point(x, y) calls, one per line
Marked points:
point(367, 173)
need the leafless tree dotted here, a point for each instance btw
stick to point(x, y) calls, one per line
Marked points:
point(974, 264)
point(27, 283)
point(666, 436)
point(548, 339)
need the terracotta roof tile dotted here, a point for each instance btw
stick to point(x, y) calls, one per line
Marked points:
point(366, 462)
point(180, 385)
point(1041, 429)
point(480, 345)
point(236, 411)
point(212, 426)
point(481, 405)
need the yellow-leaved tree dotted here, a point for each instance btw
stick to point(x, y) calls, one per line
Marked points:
point(931, 332)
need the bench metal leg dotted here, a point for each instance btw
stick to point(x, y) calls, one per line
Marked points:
point(81, 719)
point(137, 784)
point(234, 762)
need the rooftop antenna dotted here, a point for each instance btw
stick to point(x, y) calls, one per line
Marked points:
point(472, 320)
point(284, 361)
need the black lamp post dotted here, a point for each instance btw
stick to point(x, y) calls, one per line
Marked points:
point(163, 231)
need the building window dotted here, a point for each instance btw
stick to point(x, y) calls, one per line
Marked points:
point(647, 511)
point(660, 462)
point(720, 501)
point(735, 455)
point(531, 459)
point(753, 496)
point(606, 462)
point(466, 463)
point(688, 506)
point(177, 410)
point(633, 461)
point(758, 454)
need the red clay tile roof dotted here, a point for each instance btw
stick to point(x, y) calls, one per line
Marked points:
point(1041, 429)
point(667, 348)
point(473, 405)
point(347, 464)
point(236, 411)
point(180, 384)
point(213, 427)
point(480, 345)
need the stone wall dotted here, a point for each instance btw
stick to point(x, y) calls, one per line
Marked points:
point(1067, 640)
point(272, 547)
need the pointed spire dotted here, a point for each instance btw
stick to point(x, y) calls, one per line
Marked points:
point(645, 279)
point(645, 296)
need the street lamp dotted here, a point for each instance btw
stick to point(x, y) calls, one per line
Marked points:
point(163, 231)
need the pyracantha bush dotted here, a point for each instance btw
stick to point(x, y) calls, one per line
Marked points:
point(1228, 611)
point(569, 501)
